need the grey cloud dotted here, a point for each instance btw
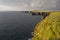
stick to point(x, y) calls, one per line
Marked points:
point(46, 4)
point(32, 4)
point(14, 2)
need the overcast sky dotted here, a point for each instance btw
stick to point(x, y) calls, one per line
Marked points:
point(23, 5)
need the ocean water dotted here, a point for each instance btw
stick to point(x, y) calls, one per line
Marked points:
point(16, 25)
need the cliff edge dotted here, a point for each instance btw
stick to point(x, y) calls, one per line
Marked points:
point(48, 28)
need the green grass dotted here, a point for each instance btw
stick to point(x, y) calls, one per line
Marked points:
point(48, 28)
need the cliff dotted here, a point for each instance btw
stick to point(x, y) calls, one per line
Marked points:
point(48, 28)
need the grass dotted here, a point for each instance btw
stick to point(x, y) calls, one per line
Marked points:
point(48, 28)
point(44, 10)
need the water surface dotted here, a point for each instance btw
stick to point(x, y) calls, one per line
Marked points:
point(17, 25)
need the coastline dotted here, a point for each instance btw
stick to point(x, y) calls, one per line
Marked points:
point(39, 28)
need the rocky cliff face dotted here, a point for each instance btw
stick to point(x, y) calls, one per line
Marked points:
point(48, 28)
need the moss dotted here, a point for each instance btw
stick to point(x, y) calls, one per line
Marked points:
point(48, 28)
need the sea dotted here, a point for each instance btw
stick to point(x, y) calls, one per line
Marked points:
point(17, 25)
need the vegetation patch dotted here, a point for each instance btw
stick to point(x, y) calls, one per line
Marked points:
point(48, 28)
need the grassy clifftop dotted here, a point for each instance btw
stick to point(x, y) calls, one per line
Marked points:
point(48, 28)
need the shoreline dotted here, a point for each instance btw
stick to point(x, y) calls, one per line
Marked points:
point(39, 27)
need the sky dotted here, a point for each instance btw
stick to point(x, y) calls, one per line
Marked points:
point(25, 5)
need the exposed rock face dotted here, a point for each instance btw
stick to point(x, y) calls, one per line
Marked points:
point(40, 13)
point(48, 28)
